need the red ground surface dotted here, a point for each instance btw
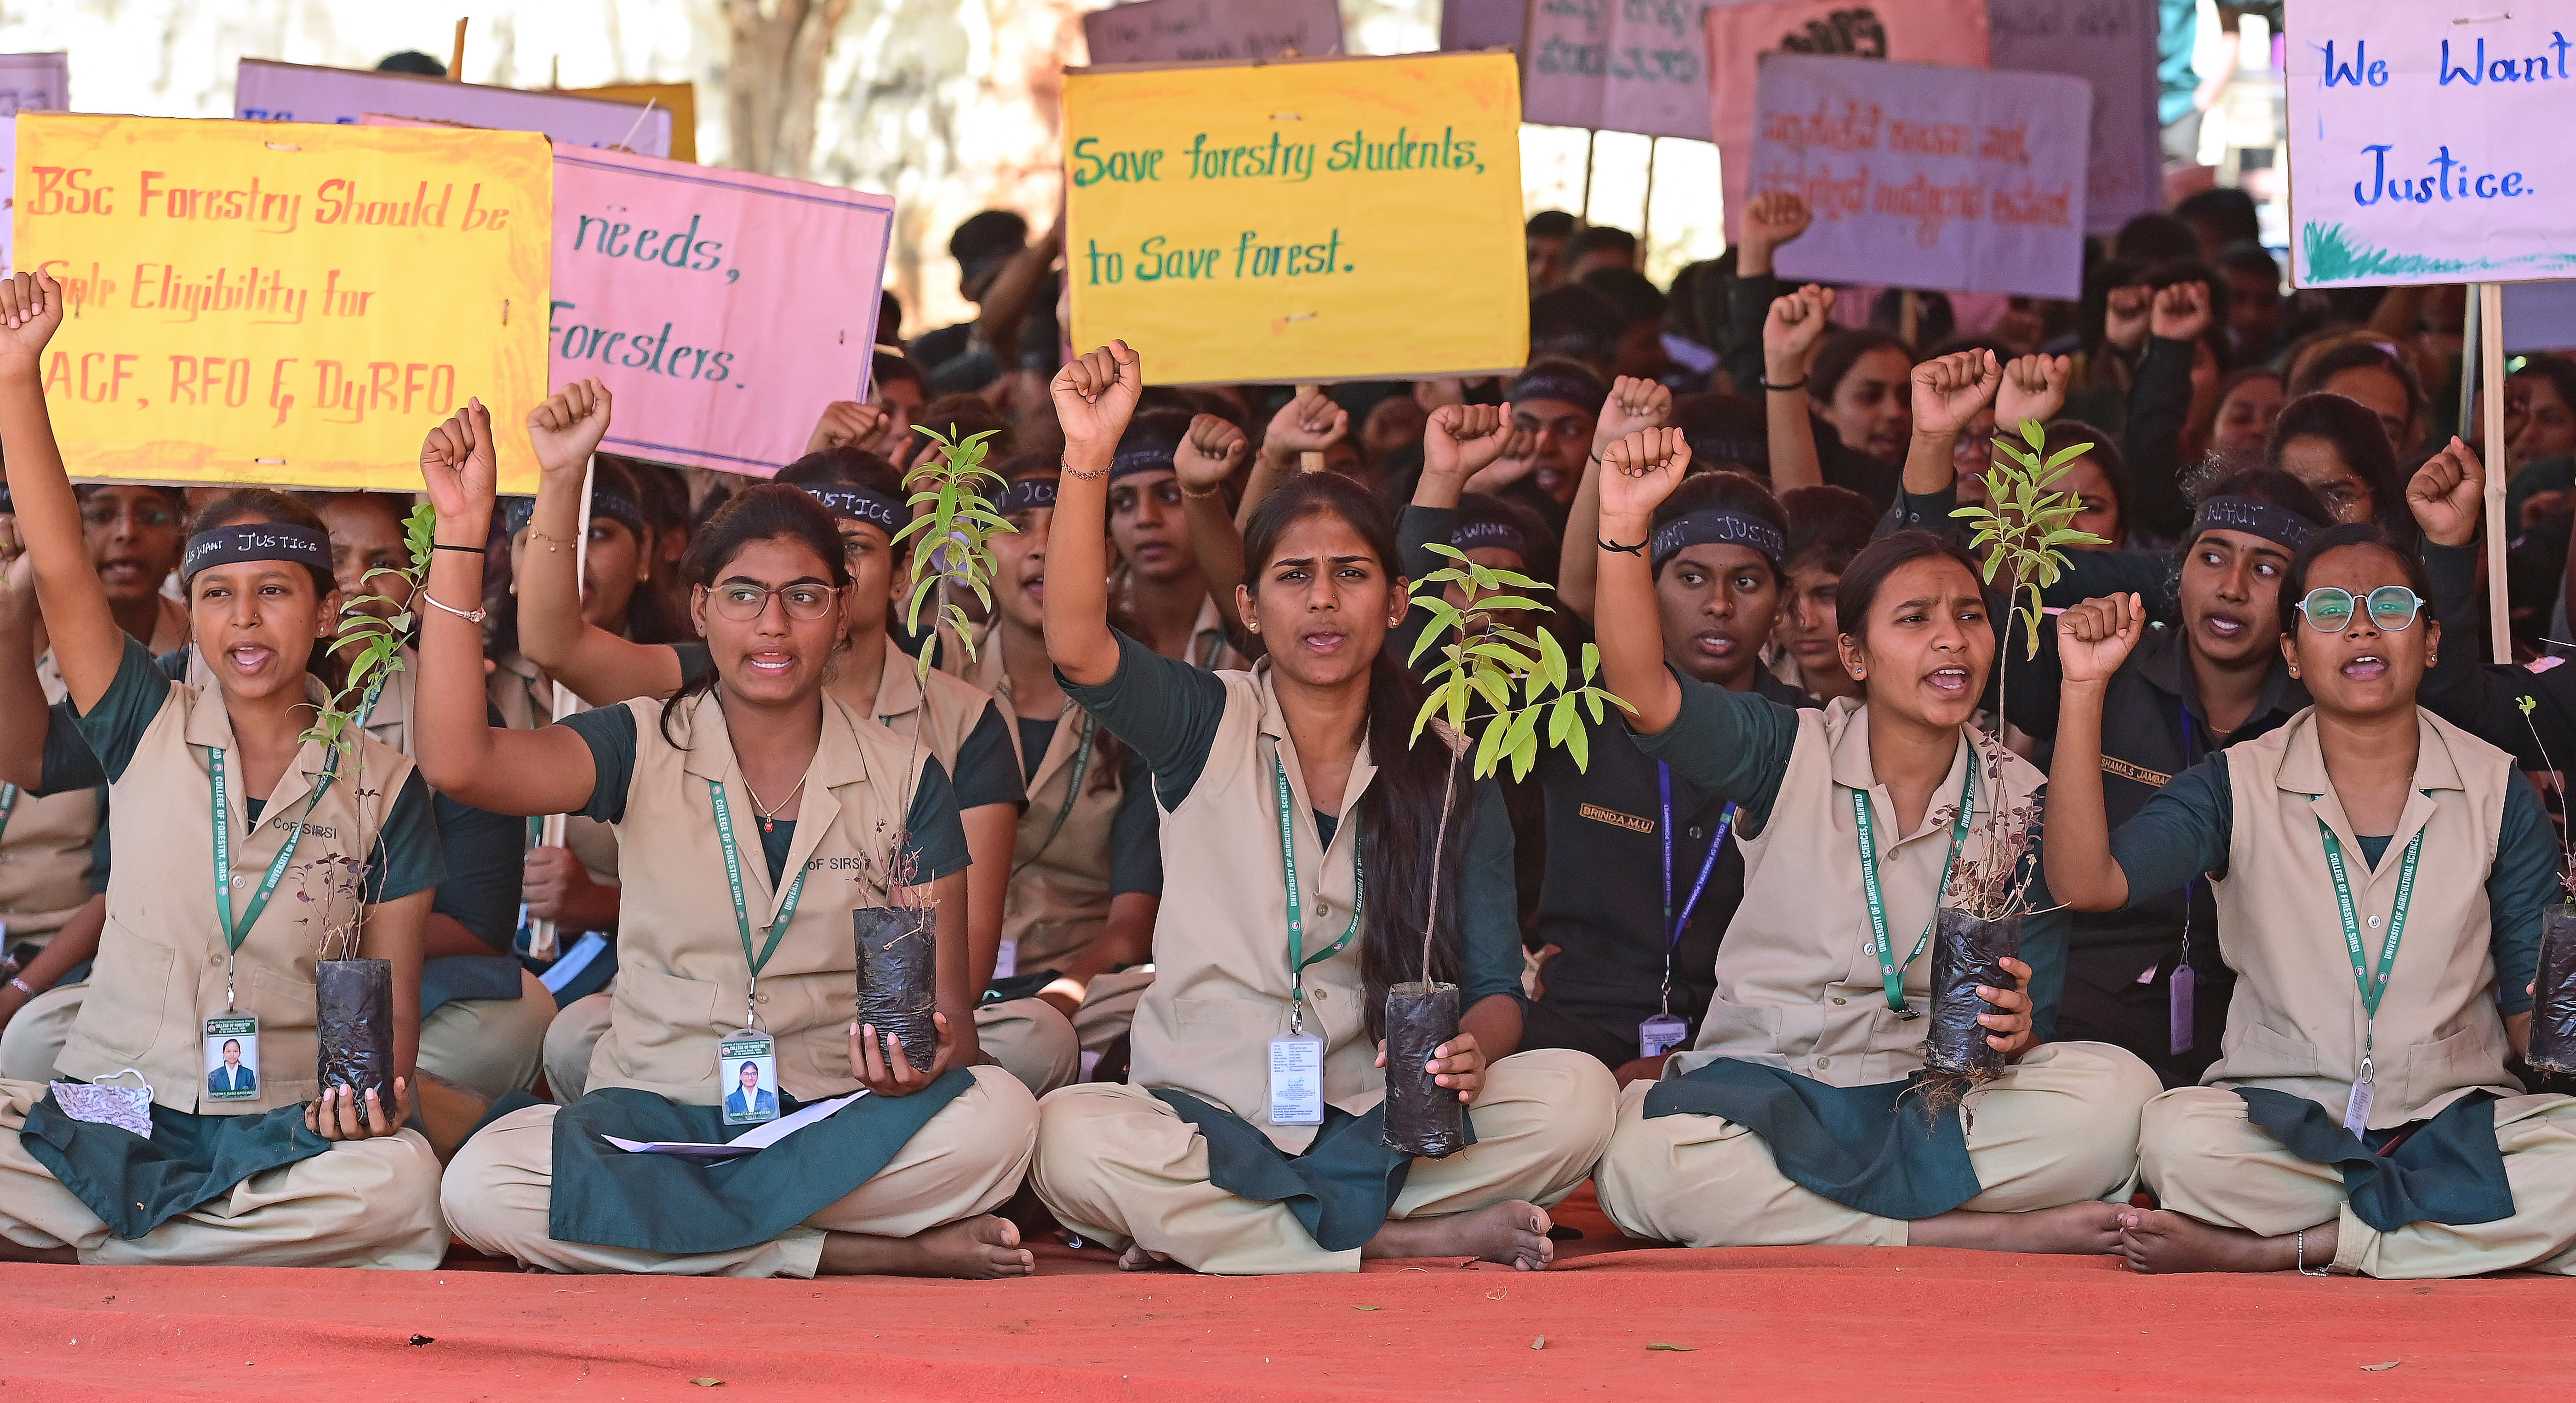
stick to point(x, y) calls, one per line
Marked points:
point(1860, 1323)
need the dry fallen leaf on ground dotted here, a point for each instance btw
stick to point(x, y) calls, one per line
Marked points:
point(1677, 1349)
point(2379, 1368)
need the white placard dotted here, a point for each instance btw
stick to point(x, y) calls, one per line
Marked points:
point(1617, 65)
point(2112, 45)
point(28, 83)
point(1925, 176)
point(2428, 142)
point(293, 92)
point(2540, 316)
point(1194, 31)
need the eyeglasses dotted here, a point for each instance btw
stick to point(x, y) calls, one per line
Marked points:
point(743, 602)
point(2392, 607)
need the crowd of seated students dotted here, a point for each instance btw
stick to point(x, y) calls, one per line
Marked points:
point(1119, 790)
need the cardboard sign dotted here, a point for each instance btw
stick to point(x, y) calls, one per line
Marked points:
point(1741, 32)
point(2112, 45)
point(680, 98)
point(281, 303)
point(1212, 31)
point(1468, 25)
point(723, 309)
point(292, 92)
point(1928, 177)
point(28, 83)
point(2428, 147)
point(1635, 66)
point(1323, 219)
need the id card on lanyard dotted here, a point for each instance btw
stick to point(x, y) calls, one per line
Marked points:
point(1891, 972)
point(1007, 962)
point(232, 1073)
point(1665, 1031)
point(747, 1058)
point(1297, 1056)
point(2373, 984)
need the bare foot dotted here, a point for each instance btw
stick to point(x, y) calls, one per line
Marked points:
point(2082, 1228)
point(1513, 1233)
point(1138, 1258)
point(971, 1249)
point(2160, 1241)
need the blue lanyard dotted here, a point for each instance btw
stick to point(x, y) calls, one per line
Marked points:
point(1675, 925)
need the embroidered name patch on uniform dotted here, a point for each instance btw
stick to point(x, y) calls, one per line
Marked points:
point(1616, 819)
point(2152, 778)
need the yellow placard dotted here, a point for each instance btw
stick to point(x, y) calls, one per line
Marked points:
point(284, 303)
point(680, 98)
point(1325, 219)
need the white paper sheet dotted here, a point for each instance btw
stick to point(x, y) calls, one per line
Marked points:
point(757, 1140)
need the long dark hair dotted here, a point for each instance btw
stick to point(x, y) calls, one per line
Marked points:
point(648, 615)
point(1399, 816)
point(768, 511)
point(1842, 350)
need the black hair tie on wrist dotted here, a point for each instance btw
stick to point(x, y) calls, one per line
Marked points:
point(460, 550)
point(1798, 384)
point(1638, 550)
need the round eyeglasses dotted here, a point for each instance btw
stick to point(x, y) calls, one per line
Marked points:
point(2392, 607)
point(743, 602)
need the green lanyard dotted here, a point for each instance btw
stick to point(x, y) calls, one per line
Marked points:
point(1072, 791)
point(8, 806)
point(1890, 972)
point(742, 913)
point(1298, 959)
point(235, 934)
point(2372, 985)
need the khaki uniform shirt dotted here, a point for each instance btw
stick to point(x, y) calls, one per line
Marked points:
point(161, 959)
point(526, 702)
point(1059, 894)
point(1797, 977)
point(682, 978)
point(2297, 1022)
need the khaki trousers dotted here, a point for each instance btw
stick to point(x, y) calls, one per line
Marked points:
point(2202, 1157)
point(2058, 1127)
point(1119, 1167)
point(1109, 1008)
point(363, 1203)
point(569, 1038)
point(489, 1046)
point(966, 1160)
point(34, 1039)
point(1031, 1040)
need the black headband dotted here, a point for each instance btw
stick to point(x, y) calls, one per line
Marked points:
point(604, 501)
point(1565, 384)
point(257, 540)
point(867, 504)
point(1143, 458)
point(1027, 494)
point(2255, 517)
point(1750, 451)
point(1499, 534)
point(1717, 528)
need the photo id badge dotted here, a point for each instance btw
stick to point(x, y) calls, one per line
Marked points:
point(2178, 1009)
point(1296, 1079)
point(1660, 1034)
point(2356, 1112)
point(747, 1069)
point(232, 1057)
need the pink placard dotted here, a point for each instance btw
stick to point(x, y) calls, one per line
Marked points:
point(1739, 34)
point(722, 309)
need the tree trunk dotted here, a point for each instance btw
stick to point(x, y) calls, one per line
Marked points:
point(774, 81)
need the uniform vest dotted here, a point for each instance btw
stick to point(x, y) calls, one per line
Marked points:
point(1221, 982)
point(2297, 1020)
point(525, 704)
point(940, 711)
point(681, 975)
point(45, 850)
point(1798, 974)
point(160, 970)
point(1059, 894)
